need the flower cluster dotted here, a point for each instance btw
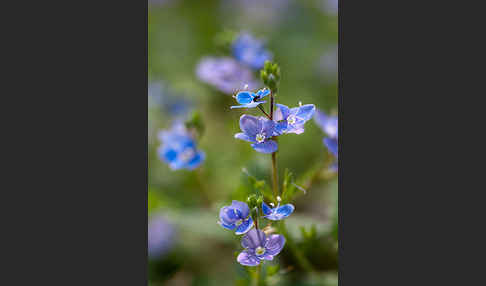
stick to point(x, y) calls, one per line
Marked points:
point(329, 124)
point(178, 148)
point(260, 131)
point(258, 246)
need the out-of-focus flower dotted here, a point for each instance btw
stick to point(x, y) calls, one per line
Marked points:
point(292, 120)
point(259, 247)
point(258, 130)
point(248, 99)
point(328, 64)
point(250, 51)
point(161, 97)
point(178, 148)
point(236, 216)
point(329, 124)
point(279, 212)
point(256, 13)
point(161, 235)
point(225, 74)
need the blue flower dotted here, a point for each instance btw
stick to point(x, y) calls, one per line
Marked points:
point(258, 130)
point(237, 216)
point(225, 74)
point(259, 247)
point(329, 124)
point(247, 99)
point(161, 236)
point(292, 120)
point(279, 212)
point(178, 148)
point(250, 51)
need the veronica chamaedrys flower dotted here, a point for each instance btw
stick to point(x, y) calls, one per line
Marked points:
point(225, 74)
point(279, 212)
point(258, 247)
point(236, 217)
point(247, 99)
point(292, 120)
point(250, 51)
point(178, 148)
point(161, 236)
point(258, 130)
point(329, 124)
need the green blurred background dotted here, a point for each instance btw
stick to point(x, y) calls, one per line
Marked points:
point(302, 35)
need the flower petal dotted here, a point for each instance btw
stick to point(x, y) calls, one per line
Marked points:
point(274, 244)
point(263, 92)
point(196, 161)
point(250, 125)
point(268, 127)
point(243, 136)
point(285, 210)
point(244, 97)
point(281, 113)
point(244, 227)
point(266, 147)
point(332, 145)
point(248, 105)
point(247, 259)
point(253, 239)
point(242, 207)
point(305, 112)
point(227, 215)
point(227, 226)
point(266, 209)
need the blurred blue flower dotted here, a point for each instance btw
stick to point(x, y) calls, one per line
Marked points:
point(225, 74)
point(178, 148)
point(329, 124)
point(259, 247)
point(277, 213)
point(328, 64)
point(236, 216)
point(292, 120)
point(246, 99)
point(161, 97)
point(258, 130)
point(161, 235)
point(250, 51)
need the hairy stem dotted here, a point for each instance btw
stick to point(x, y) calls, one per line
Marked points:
point(274, 154)
point(263, 110)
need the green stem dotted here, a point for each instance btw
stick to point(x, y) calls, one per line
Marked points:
point(274, 154)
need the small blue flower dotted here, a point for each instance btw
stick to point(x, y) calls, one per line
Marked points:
point(279, 212)
point(250, 51)
point(178, 148)
point(258, 130)
point(247, 99)
point(237, 216)
point(259, 247)
point(292, 120)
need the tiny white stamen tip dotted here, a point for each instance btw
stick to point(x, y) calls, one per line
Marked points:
point(279, 198)
point(300, 103)
point(246, 86)
point(272, 205)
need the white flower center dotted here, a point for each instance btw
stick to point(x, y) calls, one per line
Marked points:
point(260, 137)
point(259, 250)
point(187, 154)
point(239, 222)
point(291, 119)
